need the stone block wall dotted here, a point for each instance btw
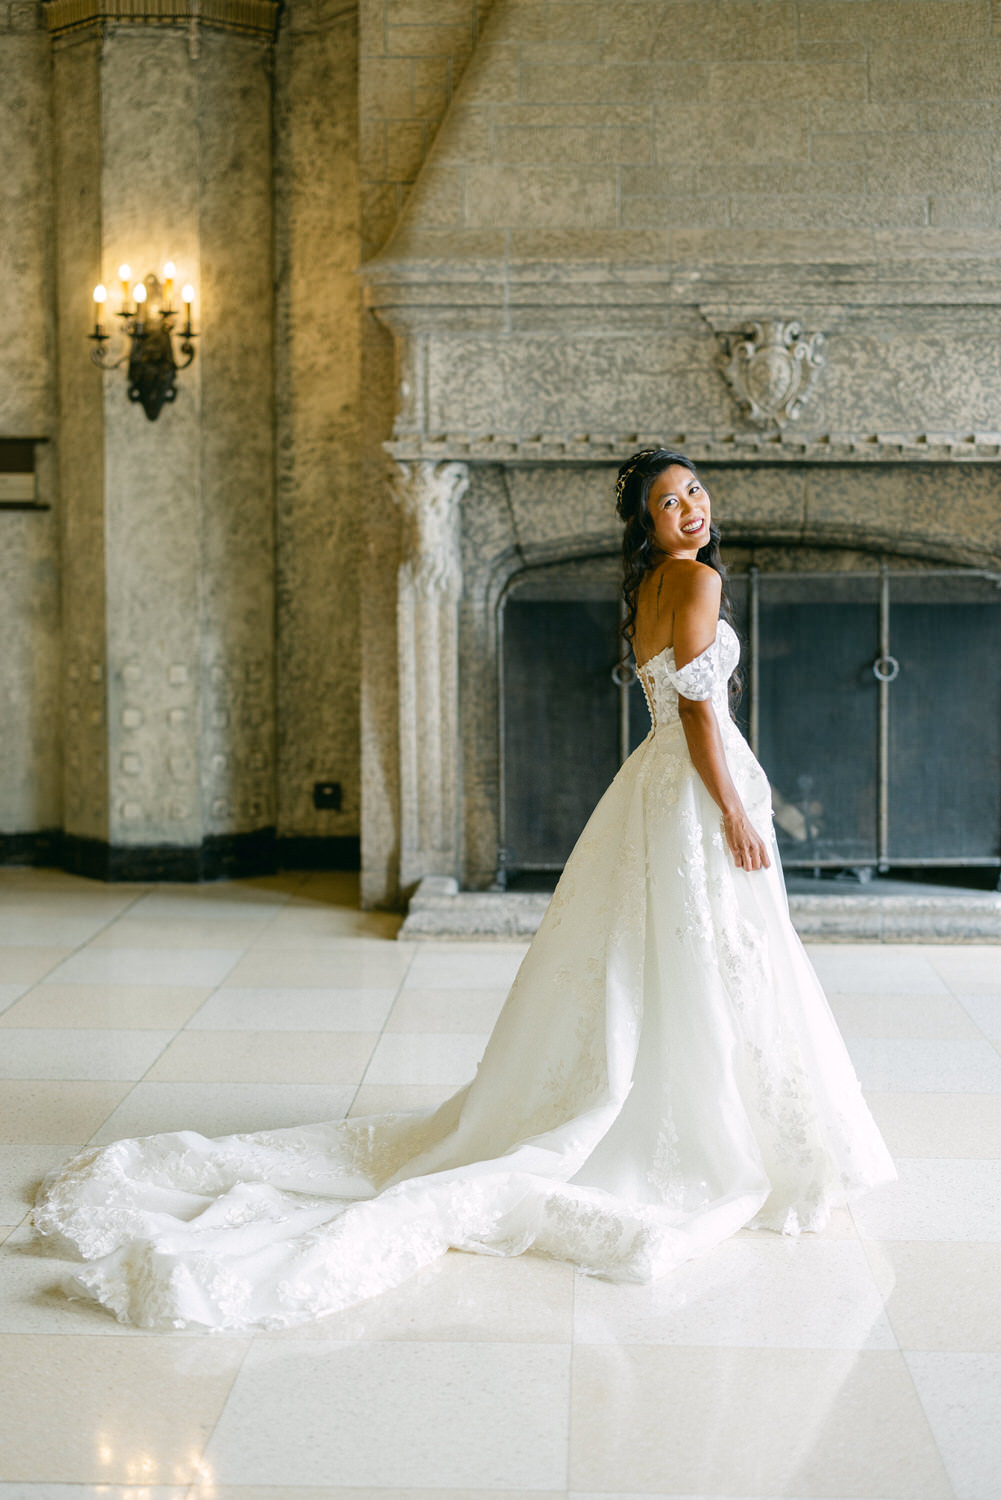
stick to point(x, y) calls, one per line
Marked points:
point(30, 733)
point(413, 54)
point(709, 115)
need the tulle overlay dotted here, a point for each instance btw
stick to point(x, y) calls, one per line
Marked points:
point(665, 1070)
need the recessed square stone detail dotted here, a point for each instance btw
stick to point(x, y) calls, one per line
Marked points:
point(219, 762)
point(132, 811)
point(179, 766)
point(96, 716)
point(132, 672)
point(178, 812)
point(73, 714)
point(220, 808)
point(132, 764)
point(96, 672)
point(177, 674)
point(177, 716)
point(73, 672)
point(220, 718)
point(132, 718)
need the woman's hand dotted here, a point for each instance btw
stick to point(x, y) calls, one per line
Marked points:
point(746, 845)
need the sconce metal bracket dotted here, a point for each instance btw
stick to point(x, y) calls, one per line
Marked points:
point(152, 367)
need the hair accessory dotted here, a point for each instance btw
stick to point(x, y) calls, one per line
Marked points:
point(637, 458)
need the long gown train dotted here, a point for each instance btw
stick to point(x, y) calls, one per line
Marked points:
point(665, 1070)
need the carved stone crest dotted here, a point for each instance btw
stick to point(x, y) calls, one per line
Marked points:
point(771, 365)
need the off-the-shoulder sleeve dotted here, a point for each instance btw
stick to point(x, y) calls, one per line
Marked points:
point(698, 678)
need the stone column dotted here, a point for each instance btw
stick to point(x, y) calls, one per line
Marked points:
point(429, 585)
point(163, 152)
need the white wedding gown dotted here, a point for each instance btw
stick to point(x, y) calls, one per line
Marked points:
point(665, 1071)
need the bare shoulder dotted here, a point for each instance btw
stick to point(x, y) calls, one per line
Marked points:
point(696, 582)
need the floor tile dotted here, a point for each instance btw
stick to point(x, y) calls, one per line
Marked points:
point(934, 1200)
point(227, 901)
point(985, 1012)
point(9, 993)
point(72, 1054)
point(222, 1108)
point(939, 1124)
point(465, 966)
point(425, 1057)
point(969, 968)
point(387, 1099)
point(183, 932)
point(33, 1294)
point(305, 927)
point(28, 965)
point(21, 1170)
point(265, 1057)
point(463, 1298)
point(961, 1394)
point(875, 968)
point(354, 1492)
point(862, 1015)
point(94, 1492)
point(143, 1007)
point(760, 1291)
point(431, 1414)
point(925, 1066)
point(343, 967)
point(940, 1296)
point(147, 966)
point(294, 1010)
point(29, 930)
point(763, 1422)
point(43, 1113)
point(116, 1410)
point(475, 1011)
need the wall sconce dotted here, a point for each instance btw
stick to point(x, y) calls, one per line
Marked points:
point(152, 367)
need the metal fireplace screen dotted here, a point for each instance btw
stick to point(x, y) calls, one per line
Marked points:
point(873, 701)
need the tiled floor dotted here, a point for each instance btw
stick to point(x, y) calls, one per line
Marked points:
point(862, 1364)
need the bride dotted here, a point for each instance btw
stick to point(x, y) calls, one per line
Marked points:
point(665, 1070)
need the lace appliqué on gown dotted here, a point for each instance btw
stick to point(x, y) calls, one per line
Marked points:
point(665, 1070)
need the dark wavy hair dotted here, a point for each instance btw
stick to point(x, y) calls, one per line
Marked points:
point(640, 554)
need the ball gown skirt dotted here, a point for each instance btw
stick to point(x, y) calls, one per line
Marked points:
point(665, 1071)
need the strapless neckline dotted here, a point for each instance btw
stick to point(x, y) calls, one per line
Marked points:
point(669, 650)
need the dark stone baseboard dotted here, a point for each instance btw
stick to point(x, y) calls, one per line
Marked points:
point(221, 857)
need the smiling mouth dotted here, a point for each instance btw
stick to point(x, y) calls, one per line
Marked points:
point(692, 528)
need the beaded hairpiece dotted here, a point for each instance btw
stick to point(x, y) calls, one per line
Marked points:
point(620, 483)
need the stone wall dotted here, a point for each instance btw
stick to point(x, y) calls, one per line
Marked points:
point(30, 735)
point(862, 119)
point(318, 415)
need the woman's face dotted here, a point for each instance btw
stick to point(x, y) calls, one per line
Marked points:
point(679, 507)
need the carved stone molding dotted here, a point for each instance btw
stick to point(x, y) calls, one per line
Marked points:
point(429, 584)
point(771, 365)
point(250, 17)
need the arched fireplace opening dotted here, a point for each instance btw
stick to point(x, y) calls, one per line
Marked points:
point(872, 696)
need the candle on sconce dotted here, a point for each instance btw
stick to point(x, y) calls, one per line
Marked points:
point(100, 298)
point(125, 279)
point(140, 296)
point(187, 297)
point(169, 272)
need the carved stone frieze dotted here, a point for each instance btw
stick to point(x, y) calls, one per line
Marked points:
point(771, 366)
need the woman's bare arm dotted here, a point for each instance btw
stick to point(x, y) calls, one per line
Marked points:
point(696, 616)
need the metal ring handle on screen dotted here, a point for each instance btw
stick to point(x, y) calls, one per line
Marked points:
point(885, 668)
point(623, 675)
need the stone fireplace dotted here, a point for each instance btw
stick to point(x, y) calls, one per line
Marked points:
point(841, 394)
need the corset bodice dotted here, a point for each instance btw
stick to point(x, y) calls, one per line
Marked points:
point(705, 676)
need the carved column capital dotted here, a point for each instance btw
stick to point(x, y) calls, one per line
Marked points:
point(429, 496)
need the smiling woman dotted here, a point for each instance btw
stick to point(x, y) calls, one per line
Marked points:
point(664, 1072)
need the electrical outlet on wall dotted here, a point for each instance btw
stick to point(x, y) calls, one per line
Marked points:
point(327, 795)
